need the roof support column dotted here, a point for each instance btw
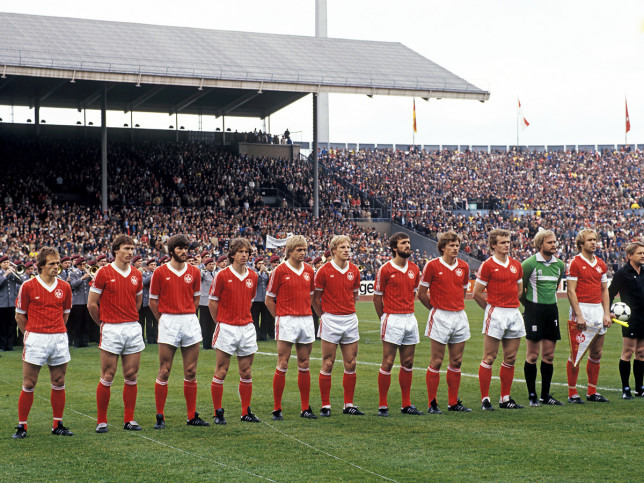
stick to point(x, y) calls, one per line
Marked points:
point(104, 149)
point(223, 130)
point(37, 116)
point(316, 181)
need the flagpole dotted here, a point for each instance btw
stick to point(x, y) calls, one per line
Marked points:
point(625, 127)
point(413, 127)
point(518, 114)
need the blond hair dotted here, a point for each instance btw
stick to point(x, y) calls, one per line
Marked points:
point(582, 235)
point(294, 242)
point(632, 247)
point(541, 236)
point(336, 241)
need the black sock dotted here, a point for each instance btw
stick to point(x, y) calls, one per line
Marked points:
point(638, 373)
point(546, 378)
point(530, 371)
point(625, 372)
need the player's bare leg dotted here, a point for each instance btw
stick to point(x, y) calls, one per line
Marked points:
point(25, 401)
point(244, 363)
point(109, 364)
point(222, 363)
point(389, 352)
point(405, 377)
point(349, 356)
point(279, 378)
point(328, 359)
point(190, 356)
point(592, 369)
point(454, 377)
point(510, 350)
point(490, 351)
point(130, 365)
point(303, 352)
point(166, 357)
point(57, 377)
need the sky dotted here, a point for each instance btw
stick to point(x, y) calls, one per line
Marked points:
point(571, 63)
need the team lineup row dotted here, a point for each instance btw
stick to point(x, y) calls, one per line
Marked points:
point(295, 290)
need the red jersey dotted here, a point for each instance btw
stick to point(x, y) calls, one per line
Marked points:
point(44, 305)
point(501, 281)
point(118, 291)
point(589, 277)
point(398, 286)
point(338, 288)
point(292, 289)
point(446, 283)
point(235, 294)
point(176, 290)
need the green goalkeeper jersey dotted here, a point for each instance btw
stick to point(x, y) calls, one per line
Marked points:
point(541, 278)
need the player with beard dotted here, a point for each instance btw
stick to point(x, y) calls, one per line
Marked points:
point(394, 293)
point(175, 290)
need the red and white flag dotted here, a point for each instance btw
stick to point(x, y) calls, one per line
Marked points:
point(580, 340)
point(628, 119)
point(523, 122)
point(415, 116)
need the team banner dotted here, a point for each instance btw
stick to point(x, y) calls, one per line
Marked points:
point(272, 242)
point(580, 340)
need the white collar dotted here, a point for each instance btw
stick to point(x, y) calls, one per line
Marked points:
point(592, 264)
point(297, 272)
point(540, 258)
point(400, 269)
point(451, 267)
point(341, 270)
point(178, 274)
point(123, 274)
point(504, 265)
point(49, 288)
point(234, 272)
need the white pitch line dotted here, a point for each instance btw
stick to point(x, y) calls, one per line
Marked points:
point(209, 459)
point(328, 454)
point(363, 363)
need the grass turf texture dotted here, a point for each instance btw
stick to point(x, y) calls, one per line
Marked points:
point(593, 441)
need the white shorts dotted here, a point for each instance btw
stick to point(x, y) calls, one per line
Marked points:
point(446, 327)
point(593, 315)
point(235, 340)
point(125, 338)
point(295, 329)
point(399, 329)
point(339, 329)
point(51, 349)
point(179, 330)
point(503, 323)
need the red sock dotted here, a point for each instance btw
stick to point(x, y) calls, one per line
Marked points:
point(129, 400)
point(245, 393)
point(160, 395)
point(485, 378)
point(102, 400)
point(190, 393)
point(217, 392)
point(304, 384)
point(592, 369)
point(432, 378)
point(57, 403)
point(453, 383)
point(507, 376)
point(573, 373)
point(25, 400)
point(404, 379)
point(279, 381)
point(384, 381)
point(349, 386)
point(324, 380)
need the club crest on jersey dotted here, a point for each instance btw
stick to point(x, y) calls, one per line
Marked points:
point(580, 338)
point(350, 276)
point(188, 278)
point(249, 283)
point(307, 277)
point(599, 270)
point(513, 269)
point(58, 293)
point(133, 280)
point(458, 272)
point(410, 274)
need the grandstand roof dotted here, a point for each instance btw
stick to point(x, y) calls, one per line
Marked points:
point(58, 62)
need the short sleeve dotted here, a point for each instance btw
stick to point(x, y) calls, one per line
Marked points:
point(155, 285)
point(99, 282)
point(320, 279)
point(22, 300)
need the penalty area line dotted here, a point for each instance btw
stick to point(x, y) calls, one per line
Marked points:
point(328, 454)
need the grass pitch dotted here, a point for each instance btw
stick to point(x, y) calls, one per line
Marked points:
point(593, 441)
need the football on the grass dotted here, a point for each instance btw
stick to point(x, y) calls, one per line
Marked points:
point(621, 310)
